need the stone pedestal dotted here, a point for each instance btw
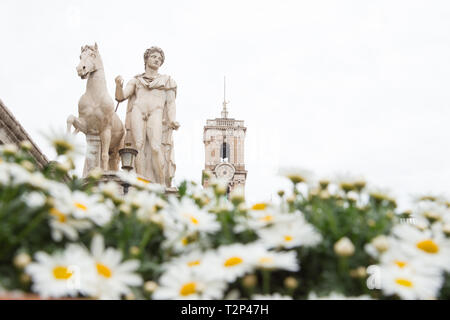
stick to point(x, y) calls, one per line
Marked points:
point(93, 153)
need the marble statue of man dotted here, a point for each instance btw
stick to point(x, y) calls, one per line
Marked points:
point(151, 118)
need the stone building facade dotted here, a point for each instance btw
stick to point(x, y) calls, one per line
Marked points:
point(11, 131)
point(224, 150)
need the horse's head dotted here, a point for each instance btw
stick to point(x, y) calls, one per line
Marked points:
point(89, 61)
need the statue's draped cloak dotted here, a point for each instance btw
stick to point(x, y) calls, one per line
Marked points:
point(161, 82)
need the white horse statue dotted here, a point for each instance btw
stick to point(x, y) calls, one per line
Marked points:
point(96, 115)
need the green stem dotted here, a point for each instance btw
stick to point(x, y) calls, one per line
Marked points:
point(343, 267)
point(226, 228)
point(31, 226)
point(266, 281)
point(145, 239)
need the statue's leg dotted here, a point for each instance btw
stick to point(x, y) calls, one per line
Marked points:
point(138, 130)
point(69, 122)
point(154, 134)
point(78, 123)
point(105, 141)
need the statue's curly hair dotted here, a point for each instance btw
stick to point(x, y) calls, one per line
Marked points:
point(149, 51)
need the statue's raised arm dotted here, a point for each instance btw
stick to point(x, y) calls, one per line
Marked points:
point(123, 94)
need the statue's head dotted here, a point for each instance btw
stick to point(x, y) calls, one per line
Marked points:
point(154, 57)
point(88, 60)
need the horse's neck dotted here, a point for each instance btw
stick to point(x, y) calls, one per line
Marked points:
point(96, 82)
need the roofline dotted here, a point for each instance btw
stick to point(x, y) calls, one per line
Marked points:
point(19, 134)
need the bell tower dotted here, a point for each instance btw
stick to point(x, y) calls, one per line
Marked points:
point(224, 149)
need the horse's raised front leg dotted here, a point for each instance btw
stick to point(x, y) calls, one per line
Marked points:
point(105, 140)
point(78, 123)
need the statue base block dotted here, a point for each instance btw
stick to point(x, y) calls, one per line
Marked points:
point(93, 153)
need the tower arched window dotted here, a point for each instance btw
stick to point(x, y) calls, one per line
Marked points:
point(225, 151)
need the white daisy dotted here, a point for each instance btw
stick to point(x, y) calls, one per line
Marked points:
point(147, 204)
point(63, 224)
point(409, 284)
point(183, 282)
point(8, 148)
point(349, 182)
point(191, 217)
point(185, 243)
point(177, 238)
point(232, 261)
point(63, 142)
point(193, 259)
point(4, 175)
point(200, 194)
point(219, 206)
point(381, 194)
point(38, 180)
point(261, 215)
point(59, 191)
point(433, 248)
point(110, 189)
point(34, 199)
point(276, 260)
point(378, 245)
point(114, 277)
point(296, 175)
point(432, 211)
point(84, 206)
point(398, 258)
point(17, 174)
point(290, 235)
point(140, 182)
point(219, 185)
point(62, 274)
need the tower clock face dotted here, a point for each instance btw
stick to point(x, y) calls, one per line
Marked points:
point(225, 170)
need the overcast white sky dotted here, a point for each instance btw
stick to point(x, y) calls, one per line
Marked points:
point(331, 86)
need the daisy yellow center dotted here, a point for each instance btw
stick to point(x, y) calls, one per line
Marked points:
point(62, 144)
point(233, 261)
point(400, 264)
point(103, 270)
point(266, 260)
point(404, 282)
point(429, 246)
point(61, 273)
point(193, 220)
point(188, 289)
point(259, 206)
point(193, 263)
point(288, 238)
point(143, 180)
point(58, 214)
point(80, 206)
point(267, 218)
point(184, 241)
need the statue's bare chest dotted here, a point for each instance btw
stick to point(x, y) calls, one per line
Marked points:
point(150, 98)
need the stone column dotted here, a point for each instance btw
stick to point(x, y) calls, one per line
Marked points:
point(93, 153)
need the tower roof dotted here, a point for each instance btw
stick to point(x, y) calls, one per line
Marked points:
point(224, 112)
